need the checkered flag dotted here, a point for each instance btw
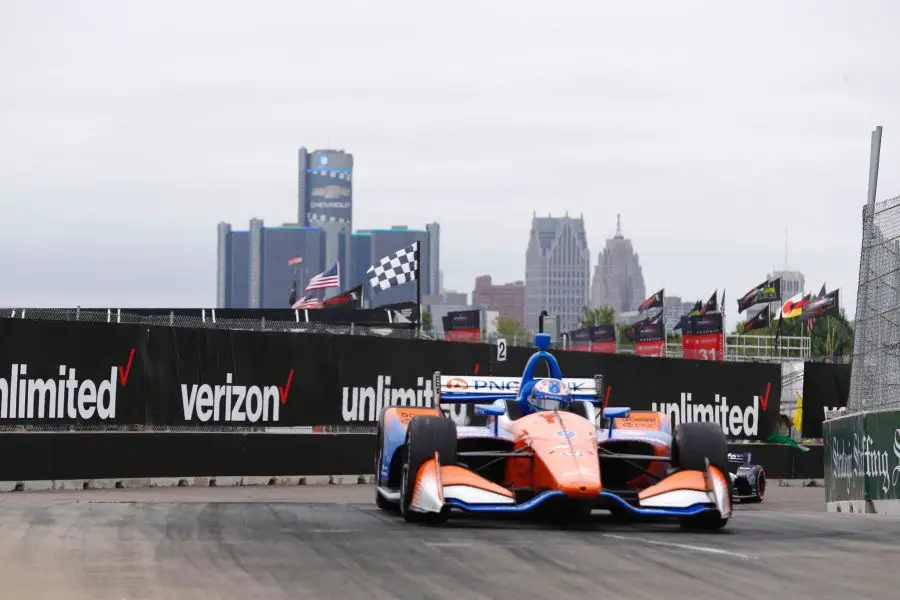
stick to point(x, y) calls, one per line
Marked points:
point(398, 268)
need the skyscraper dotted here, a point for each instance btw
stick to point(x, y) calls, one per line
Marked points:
point(325, 195)
point(618, 281)
point(255, 267)
point(434, 258)
point(557, 270)
point(222, 264)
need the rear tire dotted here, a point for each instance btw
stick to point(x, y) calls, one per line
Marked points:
point(425, 436)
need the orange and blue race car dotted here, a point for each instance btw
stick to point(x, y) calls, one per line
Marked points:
point(552, 446)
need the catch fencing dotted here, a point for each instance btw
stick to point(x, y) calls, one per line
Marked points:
point(380, 323)
point(377, 322)
point(875, 375)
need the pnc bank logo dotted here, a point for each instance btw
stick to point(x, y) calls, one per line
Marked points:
point(457, 384)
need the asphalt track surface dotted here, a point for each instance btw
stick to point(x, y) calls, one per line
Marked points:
point(331, 542)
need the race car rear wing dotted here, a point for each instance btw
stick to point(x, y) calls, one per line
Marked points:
point(743, 458)
point(472, 389)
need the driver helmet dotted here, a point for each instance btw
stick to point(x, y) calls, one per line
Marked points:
point(549, 394)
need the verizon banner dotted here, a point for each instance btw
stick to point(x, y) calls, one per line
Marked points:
point(463, 326)
point(59, 373)
point(92, 374)
point(704, 337)
point(603, 339)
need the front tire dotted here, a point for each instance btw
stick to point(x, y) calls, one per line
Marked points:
point(380, 501)
point(710, 521)
point(425, 436)
point(760, 488)
point(694, 443)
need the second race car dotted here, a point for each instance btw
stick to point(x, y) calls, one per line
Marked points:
point(748, 480)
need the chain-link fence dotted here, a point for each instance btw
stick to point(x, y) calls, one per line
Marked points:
point(875, 372)
point(739, 348)
point(208, 319)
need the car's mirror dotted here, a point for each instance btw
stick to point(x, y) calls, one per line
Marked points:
point(489, 410)
point(617, 412)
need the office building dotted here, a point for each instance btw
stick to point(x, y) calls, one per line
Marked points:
point(557, 271)
point(618, 280)
point(253, 265)
point(792, 282)
point(223, 254)
point(675, 308)
point(507, 299)
point(355, 258)
point(434, 257)
point(447, 298)
point(325, 195)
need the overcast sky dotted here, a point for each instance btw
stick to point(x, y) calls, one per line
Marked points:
point(129, 129)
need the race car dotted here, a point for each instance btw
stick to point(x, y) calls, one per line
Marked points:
point(547, 448)
point(748, 480)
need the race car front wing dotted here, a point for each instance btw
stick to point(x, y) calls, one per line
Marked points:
point(681, 494)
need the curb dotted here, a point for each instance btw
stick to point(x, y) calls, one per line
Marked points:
point(46, 485)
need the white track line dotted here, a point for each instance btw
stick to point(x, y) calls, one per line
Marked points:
point(449, 544)
point(690, 547)
point(333, 530)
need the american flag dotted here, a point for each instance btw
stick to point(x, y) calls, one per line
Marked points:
point(326, 279)
point(304, 302)
point(295, 261)
point(811, 323)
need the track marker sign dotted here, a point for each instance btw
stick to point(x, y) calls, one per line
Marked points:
point(501, 350)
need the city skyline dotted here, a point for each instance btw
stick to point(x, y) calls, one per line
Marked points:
point(127, 159)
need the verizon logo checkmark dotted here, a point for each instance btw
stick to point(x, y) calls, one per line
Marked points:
point(764, 401)
point(124, 373)
point(284, 390)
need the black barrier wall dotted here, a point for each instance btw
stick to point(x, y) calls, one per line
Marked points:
point(95, 373)
point(110, 455)
point(826, 386)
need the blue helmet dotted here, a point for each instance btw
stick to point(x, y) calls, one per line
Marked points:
point(549, 394)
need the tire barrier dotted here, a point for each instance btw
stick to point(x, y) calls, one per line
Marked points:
point(826, 387)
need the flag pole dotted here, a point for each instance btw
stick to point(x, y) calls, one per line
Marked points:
point(665, 352)
point(418, 289)
point(724, 328)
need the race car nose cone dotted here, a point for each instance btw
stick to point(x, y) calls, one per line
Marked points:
point(565, 450)
point(580, 479)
